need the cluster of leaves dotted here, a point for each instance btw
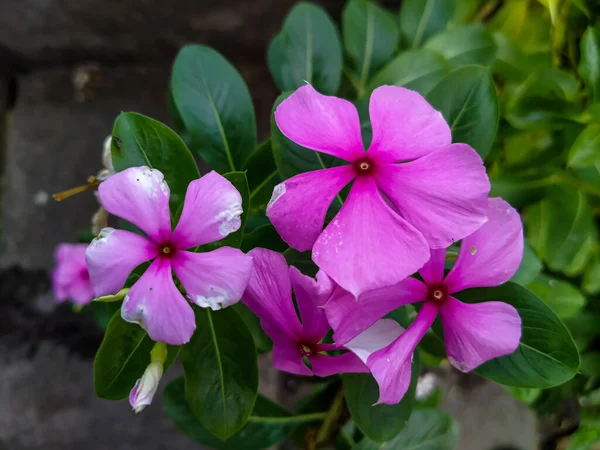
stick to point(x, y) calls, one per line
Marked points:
point(517, 80)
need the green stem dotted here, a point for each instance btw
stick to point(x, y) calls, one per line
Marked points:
point(301, 418)
point(331, 418)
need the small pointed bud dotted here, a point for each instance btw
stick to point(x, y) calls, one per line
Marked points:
point(143, 392)
point(107, 155)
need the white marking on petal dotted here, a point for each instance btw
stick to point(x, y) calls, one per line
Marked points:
point(217, 299)
point(230, 218)
point(458, 364)
point(278, 191)
point(152, 181)
point(102, 238)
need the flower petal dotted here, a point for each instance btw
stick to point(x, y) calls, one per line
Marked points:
point(381, 334)
point(287, 356)
point(476, 333)
point(361, 246)
point(214, 279)
point(211, 211)
point(433, 271)
point(405, 126)
point(443, 194)
point(492, 254)
point(391, 366)
point(298, 206)
point(157, 305)
point(113, 255)
point(139, 195)
point(310, 296)
point(325, 366)
point(70, 278)
point(269, 294)
point(349, 316)
point(319, 122)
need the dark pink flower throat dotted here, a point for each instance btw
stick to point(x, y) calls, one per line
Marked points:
point(166, 250)
point(306, 348)
point(438, 294)
point(363, 166)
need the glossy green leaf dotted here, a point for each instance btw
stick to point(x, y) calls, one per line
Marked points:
point(529, 268)
point(215, 106)
point(561, 230)
point(263, 176)
point(141, 141)
point(546, 356)
point(522, 188)
point(308, 49)
point(122, 358)
point(370, 37)
point(585, 151)
point(510, 63)
point(589, 64)
point(221, 371)
point(302, 261)
point(262, 342)
point(464, 45)
point(467, 99)
point(524, 395)
point(378, 422)
point(562, 297)
point(591, 277)
point(427, 429)
point(265, 236)
point(268, 425)
point(421, 19)
point(419, 70)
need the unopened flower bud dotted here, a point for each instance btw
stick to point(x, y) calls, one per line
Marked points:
point(143, 392)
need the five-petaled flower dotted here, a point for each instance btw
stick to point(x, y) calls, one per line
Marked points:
point(473, 333)
point(214, 279)
point(394, 212)
point(269, 296)
point(70, 278)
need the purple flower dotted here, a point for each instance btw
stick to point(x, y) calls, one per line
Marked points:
point(269, 296)
point(215, 279)
point(70, 278)
point(473, 333)
point(395, 212)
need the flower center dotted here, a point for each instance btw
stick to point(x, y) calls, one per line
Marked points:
point(363, 166)
point(306, 349)
point(438, 294)
point(167, 250)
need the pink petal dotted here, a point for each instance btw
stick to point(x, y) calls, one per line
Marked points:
point(476, 333)
point(269, 294)
point(325, 366)
point(405, 126)
point(349, 316)
point(368, 246)
point(287, 356)
point(70, 278)
point(391, 366)
point(157, 305)
point(298, 206)
point(381, 334)
point(310, 296)
point(433, 271)
point(443, 194)
point(139, 195)
point(319, 122)
point(214, 279)
point(492, 254)
point(113, 255)
point(211, 211)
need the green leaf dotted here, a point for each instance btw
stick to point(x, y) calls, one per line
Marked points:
point(419, 70)
point(525, 395)
point(591, 277)
point(561, 230)
point(464, 45)
point(302, 261)
point(265, 236)
point(308, 49)
point(585, 151)
point(214, 103)
point(467, 99)
point(268, 425)
point(562, 297)
point(221, 371)
point(421, 19)
point(263, 176)
point(123, 357)
point(522, 188)
point(589, 65)
point(262, 342)
point(427, 429)
point(546, 356)
point(141, 141)
point(510, 63)
point(378, 422)
point(370, 37)
point(529, 268)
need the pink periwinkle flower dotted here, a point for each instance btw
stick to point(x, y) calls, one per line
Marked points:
point(214, 279)
point(413, 189)
point(143, 392)
point(473, 333)
point(269, 296)
point(70, 278)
